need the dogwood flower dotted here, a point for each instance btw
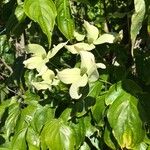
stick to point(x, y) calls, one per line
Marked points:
point(39, 57)
point(76, 48)
point(73, 76)
point(93, 35)
point(79, 77)
point(48, 78)
point(38, 61)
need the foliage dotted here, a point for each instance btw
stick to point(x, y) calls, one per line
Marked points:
point(74, 75)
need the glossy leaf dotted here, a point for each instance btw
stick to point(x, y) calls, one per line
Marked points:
point(137, 19)
point(95, 89)
point(11, 121)
point(109, 138)
point(27, 115)
point(98, 109)
point(19, 140)
point(32, 139)
point(41, 116)
point(15, 20)
point(125, 122)
point(141, 146)
point(65, 21)
point(3, 107)
point(121, 88)
point(44, 13)
point(57, 135)
point(114, 92)
point(79, 131)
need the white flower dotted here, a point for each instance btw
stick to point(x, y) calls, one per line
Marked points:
point(88, 63)
point(92, 32)
point(73, 77)
point(48, 78)
point(93, 35)
point(79, 77)
point(38, 61)
point(78, 36)
point(39, 57)
point(76, 48)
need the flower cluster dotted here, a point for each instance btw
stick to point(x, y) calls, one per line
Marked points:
point(76, 77)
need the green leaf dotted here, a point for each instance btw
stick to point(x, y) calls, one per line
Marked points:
point(109, 138)
point(79, 131)
point(44, 13)
point(11, 121)
point(27, 115)
point(114, 92)
point(41, 116)
point(31, 98)
point(95, 89)
point(85, 146)
point(19, 140)
point(120, 88)
point(141, 146)
point(15, 20)
point(4, 45)
point(137, 19)
point(32, 139)
point(98, 108)
point(3, 107)
point(57, 136)
point(126, 124)
point(64, 20)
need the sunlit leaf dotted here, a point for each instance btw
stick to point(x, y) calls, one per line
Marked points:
point(15, 20)
point(114, 92)
point(56, 136)
point(41, 116)
point(44, 13)
point(65, 21)
point(109, 138)
point(19, 140)
point(33, 140)
point(137, 19)
point(125, 122)
point(79, 131)
point(11, 121)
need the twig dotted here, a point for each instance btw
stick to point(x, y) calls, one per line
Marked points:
point(7, 66)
